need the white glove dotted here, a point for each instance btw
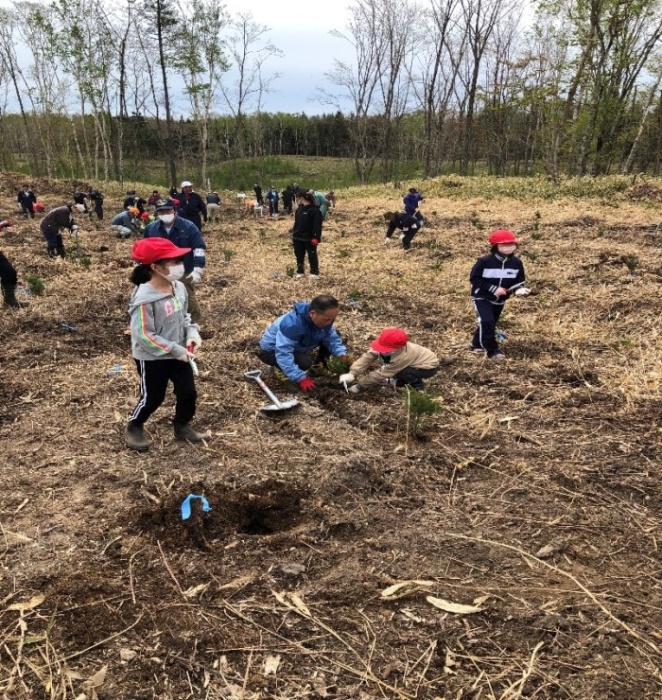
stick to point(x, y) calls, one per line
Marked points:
point(195, 341)
point(522, 292)
point(186, 358)
point(346, 378)
point(387, 241)
point(195, 276)
point(355, 388)
point(74, 228)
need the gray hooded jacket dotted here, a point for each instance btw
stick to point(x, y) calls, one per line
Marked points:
point(160, 325)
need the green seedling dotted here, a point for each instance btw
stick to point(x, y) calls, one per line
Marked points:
point(337, 366)
point(35, 284)
point(420, 407)
point(228, 254)
point(290, 270)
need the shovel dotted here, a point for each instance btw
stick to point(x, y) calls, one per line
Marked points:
point(277, 405)
point(192, 362)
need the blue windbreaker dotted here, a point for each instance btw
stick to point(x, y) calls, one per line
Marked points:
point(295, 332)
point(183, 234)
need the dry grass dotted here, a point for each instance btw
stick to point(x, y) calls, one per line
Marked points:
point(537, 486)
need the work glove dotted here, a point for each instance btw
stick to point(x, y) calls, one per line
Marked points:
point(6, 224)
point(74, 228)
point(186, 358)
point(387, 241)
point(314, 242)
point(307, 384)
point(355, 388)
point(193, 341)
point(196, 276)
point(346, 378)
point(522, 292)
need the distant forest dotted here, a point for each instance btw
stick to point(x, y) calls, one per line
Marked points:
point(437, 85)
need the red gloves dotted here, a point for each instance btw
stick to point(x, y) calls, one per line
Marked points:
point(6, 224)
point(315, 242)
point(307, 384)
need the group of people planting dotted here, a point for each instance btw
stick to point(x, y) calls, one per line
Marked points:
point(165, 315)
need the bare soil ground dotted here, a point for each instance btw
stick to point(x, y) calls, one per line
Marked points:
point(534, 495)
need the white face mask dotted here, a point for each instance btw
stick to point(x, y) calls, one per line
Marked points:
point(167, 218)
point(176, 272)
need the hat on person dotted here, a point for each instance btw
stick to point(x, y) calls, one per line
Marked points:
point(502, 235)
point(164, 204)
point(186, 183)
point(134, 210)
point(150, 250)
point(390, 339)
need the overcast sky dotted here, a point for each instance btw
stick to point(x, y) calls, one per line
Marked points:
point(303, 35)
point(305, 40)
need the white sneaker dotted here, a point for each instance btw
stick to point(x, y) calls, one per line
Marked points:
point(402, 235)
point(299, 275)
point(315, 276)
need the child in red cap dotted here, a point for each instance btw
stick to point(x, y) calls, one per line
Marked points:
point(163, 339)
point(392, 359)
point(493, 278)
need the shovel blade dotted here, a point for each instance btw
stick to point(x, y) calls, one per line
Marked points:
point(284, 406)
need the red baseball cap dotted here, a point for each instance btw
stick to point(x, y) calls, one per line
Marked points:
point(150, 250)
point(389, 340)
point(502, 235)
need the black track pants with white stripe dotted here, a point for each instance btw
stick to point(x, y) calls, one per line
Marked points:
point(154, 377)
point(487, 315)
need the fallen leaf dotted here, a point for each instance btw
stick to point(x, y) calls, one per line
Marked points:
point(549, 549)
point(128, 654)
point(97, 680)
point(196, 590)
point(16, 536)
point(299, 604)
point(481, 599)
point(457, 608)
point(29, 605)
point(271, 664)
point(399, 590)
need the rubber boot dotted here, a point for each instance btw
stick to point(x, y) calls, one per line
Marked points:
point(183, 431)
point(135, 437)
point(9, 294)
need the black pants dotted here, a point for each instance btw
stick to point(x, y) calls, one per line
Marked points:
point(8, 274)
point(28, 210)
point(304, 360)
point(409, 236)
point(485, 335)
point(300, 250)
point(54, 242)
point(99, 212)
point(414, 376)
point(154, 378)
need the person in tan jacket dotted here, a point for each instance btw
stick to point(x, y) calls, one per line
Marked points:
point(393, 360)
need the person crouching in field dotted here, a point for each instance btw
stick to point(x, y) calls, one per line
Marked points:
point(307, 233)
point(163, 339)
point(52, 225)
point(302, 337)
point(407, 223)
point(126, 223)
point(393, 360)
point(493, 279)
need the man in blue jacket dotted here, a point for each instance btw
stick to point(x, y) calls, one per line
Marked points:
point(183, 234)
point(292, 339)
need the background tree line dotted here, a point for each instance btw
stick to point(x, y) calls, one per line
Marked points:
point(438, 85)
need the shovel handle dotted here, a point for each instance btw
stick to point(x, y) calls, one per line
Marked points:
point(256, 374)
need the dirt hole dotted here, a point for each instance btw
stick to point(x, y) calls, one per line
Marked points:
point(264, 509)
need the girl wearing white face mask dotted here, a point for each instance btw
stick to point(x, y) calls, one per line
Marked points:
point(163, 339)
point(494, 278)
